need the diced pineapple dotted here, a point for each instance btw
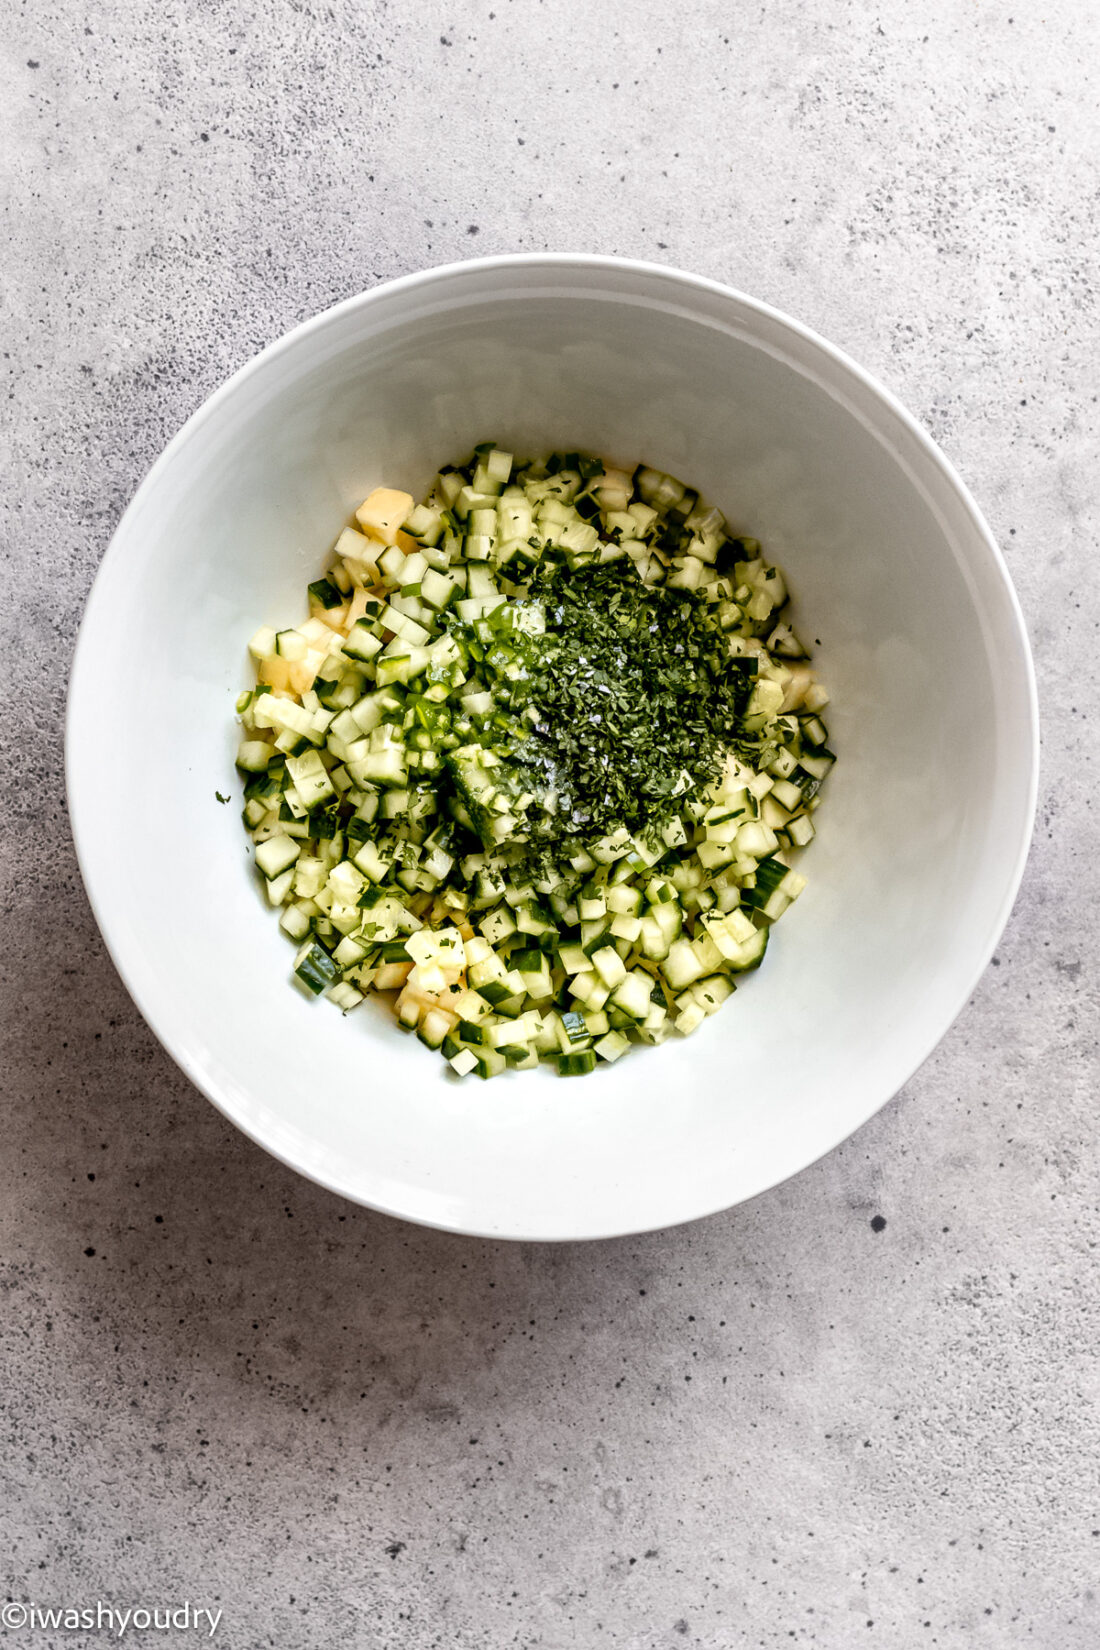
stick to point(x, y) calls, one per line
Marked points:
point(303, 672)
point(275, 673)
point(382, 513)
point(335, 618)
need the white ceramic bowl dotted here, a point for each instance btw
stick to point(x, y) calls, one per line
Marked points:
point(929, 811)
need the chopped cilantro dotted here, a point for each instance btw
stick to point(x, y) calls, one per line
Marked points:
point(636, 697)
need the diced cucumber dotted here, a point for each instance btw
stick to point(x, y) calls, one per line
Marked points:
point(253, 755)
point(577, 1064)
point(633, 994)
point(276, 855)
point(751, 954)
point(612, 1046)
point(395, 749)
point(361, 641)
point(315, 968)
point(609, 966)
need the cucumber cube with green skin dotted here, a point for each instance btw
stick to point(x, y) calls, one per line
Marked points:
point(276, 855)
point(362, 642)
point(512, 1007)
point(471, 1005)
point(279, 888)
point(690, 1019)
point(520, 1056)
point(350, 952)
point(310, 876)
point(612, 1046)
point(627, 928)
point(682, 967)
point(575, 1027)
point(624, 900)
point(634, 993)
point(656, 1026)
point(310, 779)
point(653, 941)
point(294, 922)
point(346, 883)
point(547, 1040)
point(712, 992)
point(770, 875)
point(712, 856)
point(485, 973)
point(729, 933)
point(756, 840)
point(433, 1029)
point(371, 862)
point(787, 795)
point(595, 933)
point(511, 1032)
point(253, 755)
point(792, 885)
point(539, 987)
point(383, 767)
point(290, 644)
point(323, 593)
point(424, 524)
point(590, 990)
point(345, 996)
point(437, 589)
point(262, 645)
point(707, 952)
point(494, 990)
point(609, 966)
point(530, 920)
point(751, 954)
point(669, 919)
point(674, 834)
point(497, 465)
point(476, 787)
point(315, 968)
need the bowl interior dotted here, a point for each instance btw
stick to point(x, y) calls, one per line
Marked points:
point(920, 839)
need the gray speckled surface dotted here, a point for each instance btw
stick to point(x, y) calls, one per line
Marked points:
point(777, 1426)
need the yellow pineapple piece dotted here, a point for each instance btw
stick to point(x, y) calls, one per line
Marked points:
point(275, 673)
point(382, 513)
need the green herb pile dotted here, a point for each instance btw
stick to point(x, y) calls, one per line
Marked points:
point(636, 699)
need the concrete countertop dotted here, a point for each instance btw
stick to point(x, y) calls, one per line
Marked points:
point(861, 1410)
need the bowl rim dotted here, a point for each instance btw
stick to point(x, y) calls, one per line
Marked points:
point(551, 262)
